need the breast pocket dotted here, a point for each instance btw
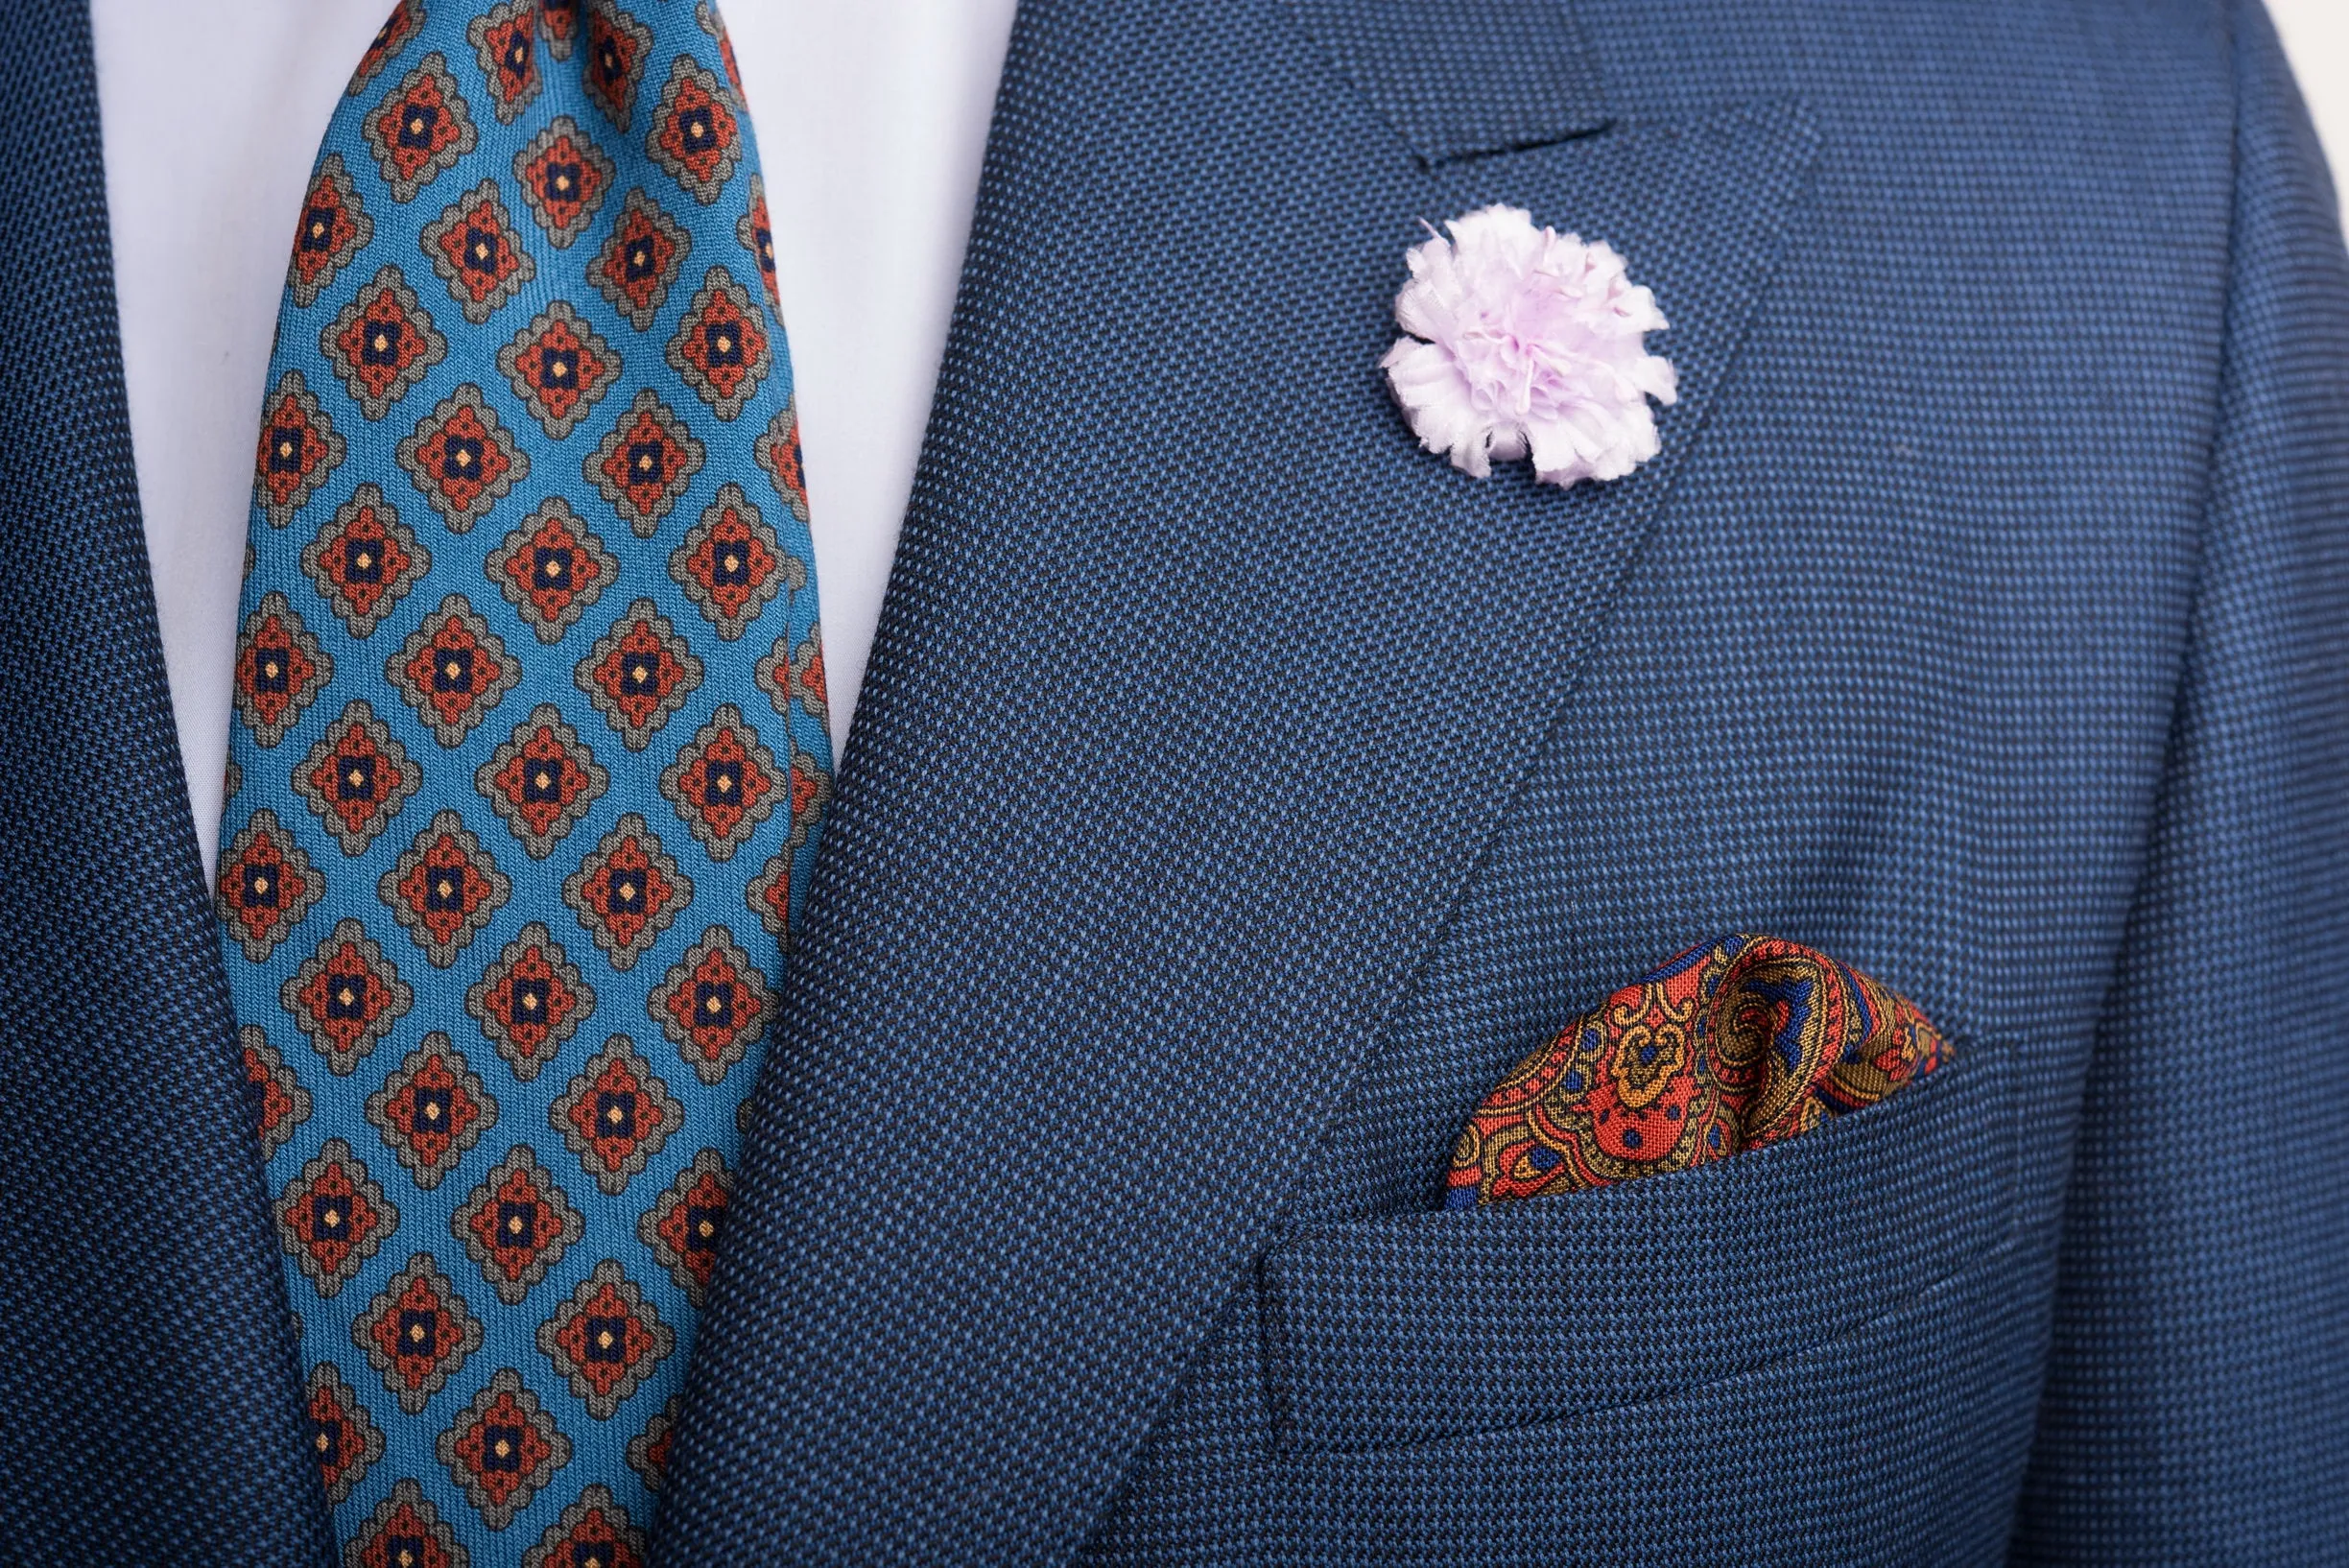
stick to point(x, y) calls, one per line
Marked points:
point(1411, 1328)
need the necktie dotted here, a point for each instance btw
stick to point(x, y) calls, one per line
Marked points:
point(528, 763)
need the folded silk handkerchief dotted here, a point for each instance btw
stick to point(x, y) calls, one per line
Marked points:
point(1744, 1041)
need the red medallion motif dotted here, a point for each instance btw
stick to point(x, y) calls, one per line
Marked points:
point(722, 783)
point(357, 778)
point(300, 446)
point(617, 44)
point(593, 1533)
point(505, 44)
point(647, 1451)
point(638, 674)
point(559, 367)
point(453, 669)
point(530, 1001)
point(279, 1103)
point(279, 669)
point(559, 22)
point(789, 674)
point(398, 30)
point(444, 889)
point(682, 1229)
point(769, 894)
point(627, 891)
point(422, 129)
point(644, 463)
point(501, 1448)
point(615, 1115)
point(754, 232)
point(417, 1332)
point(542, 780)
point(551, 568)
point(721, 346)
point(641, 260)
point(404, 1532)
point(706, 14)
point(475, 248)
point(516, 1225)
point(605, 1340)
point(365, 560)
point(462, 458)
point(694, 133)
point(564, 177)
point(382, 343)
point(266, 885)
point(346, 996)
point(432, 1110)
point(777, 452)
point(714, 1006)
point(333, 1216)
point(343, 1439)
point(731, 564)
point(335, 226)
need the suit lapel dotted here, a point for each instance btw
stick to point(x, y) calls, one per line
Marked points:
point(1198, 691)
point(154, 1413)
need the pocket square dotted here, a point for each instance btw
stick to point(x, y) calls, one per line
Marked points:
point(1742, 1041)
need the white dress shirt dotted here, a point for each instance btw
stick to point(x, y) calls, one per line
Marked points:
point(872, 119)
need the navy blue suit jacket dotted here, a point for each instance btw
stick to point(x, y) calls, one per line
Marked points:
point(1238, 792)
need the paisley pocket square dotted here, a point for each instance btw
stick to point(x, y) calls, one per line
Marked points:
point(1744, 1041)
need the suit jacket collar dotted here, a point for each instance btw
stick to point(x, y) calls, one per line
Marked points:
point(1197, 690)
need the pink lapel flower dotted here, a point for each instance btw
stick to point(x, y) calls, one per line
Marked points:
point(1525, 342)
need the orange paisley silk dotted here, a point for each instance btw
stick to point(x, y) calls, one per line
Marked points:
point(1741, 1042)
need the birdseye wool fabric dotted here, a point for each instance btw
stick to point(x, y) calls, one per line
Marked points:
point(528, 763)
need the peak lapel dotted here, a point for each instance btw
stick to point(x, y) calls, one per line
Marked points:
point(1198, 691)
point(152, 1409)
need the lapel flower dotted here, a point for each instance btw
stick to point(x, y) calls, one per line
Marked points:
point(1525, 341)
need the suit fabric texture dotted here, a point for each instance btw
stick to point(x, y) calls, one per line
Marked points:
point(1238, 792)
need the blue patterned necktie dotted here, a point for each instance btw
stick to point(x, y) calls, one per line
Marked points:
point(528, 759)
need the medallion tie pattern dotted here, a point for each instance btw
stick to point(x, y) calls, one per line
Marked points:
point(528, 763)
point(1742, 1042)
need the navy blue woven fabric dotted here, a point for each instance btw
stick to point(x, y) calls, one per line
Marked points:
point(1238, 791)
point(149, 1408)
